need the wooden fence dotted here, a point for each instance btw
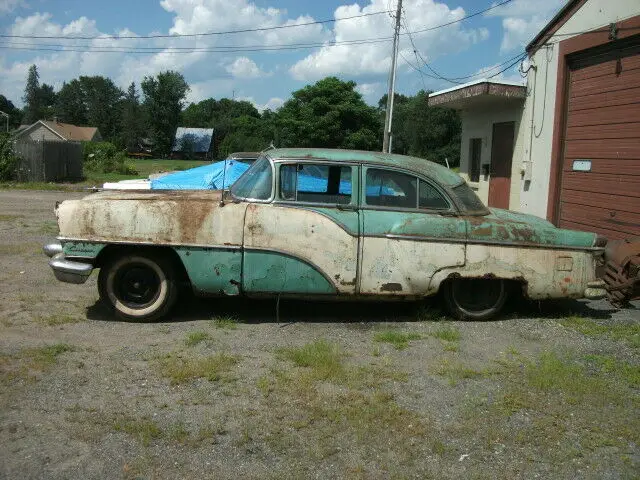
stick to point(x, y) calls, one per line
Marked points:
point(48, 161)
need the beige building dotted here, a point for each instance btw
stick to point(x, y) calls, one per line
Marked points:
point(572, 133)
point(61, 132)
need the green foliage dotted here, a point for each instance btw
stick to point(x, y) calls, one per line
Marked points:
point(448, 334)
point(323, 358)
point(628, 332)
point(422, 131)
point(31, 98)
point(104, 157)
point(10, 109)
point(131, 121)
point(180, 369)
point(92, 101)
point(400, 340)
point(194, 338)
point(8, 160)
point(164, 99)
point(329, 113)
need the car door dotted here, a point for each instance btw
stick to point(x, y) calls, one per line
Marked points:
point(409, 232)
point(305, 239)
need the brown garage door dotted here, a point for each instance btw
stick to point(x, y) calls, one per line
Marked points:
point(600, 186)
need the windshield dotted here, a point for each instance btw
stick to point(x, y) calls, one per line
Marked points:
point(469, 200)
point(255, 183)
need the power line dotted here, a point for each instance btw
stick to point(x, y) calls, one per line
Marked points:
point(171, 49)
point(183, 35)
point(248, 30)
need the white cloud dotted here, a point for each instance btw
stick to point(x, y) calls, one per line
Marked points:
point(7, 6)
point(368, 88)
point(522, 20)
point(496, 73)
point(190, 16)
point(272, 104)
point(243, 67)
point(375, 58)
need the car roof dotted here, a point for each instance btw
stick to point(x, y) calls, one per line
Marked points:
point(244, 155)
point(418, 165)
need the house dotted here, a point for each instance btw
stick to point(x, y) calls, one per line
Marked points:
point(57, 131)
point(195, 142)
point(565, 146)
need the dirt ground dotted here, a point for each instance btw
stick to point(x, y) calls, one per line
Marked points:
point(224, 390)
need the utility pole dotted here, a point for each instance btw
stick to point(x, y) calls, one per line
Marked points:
point(386, 144)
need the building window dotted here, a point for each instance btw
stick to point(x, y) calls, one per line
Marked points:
point(475, 152)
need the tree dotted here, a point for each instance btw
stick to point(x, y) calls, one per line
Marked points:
point(131, 122)
point(163, 100)
point(47, 101)
point(70, 103)
point(32, 97)
point(329, 113)
point(10, 109)
point(423, 131)
point(92, 101)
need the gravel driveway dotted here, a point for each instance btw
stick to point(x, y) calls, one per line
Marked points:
point(225, 390)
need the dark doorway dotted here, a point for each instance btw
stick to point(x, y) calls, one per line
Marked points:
point(501, 155)
point(475, 152)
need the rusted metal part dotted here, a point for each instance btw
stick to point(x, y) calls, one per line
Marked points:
point(622, 271)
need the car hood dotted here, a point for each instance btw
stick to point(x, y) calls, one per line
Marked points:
point(506, 226)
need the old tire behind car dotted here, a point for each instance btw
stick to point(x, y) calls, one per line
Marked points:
point(139, 287)
point(475, 298)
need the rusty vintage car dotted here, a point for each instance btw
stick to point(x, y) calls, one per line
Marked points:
point(321, 223)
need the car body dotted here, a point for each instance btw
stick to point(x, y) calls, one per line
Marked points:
point(322, 223)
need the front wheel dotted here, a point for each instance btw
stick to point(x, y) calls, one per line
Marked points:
point(475, 299)
point(139, 288)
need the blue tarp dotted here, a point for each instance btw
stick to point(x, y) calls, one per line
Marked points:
point(207, 177)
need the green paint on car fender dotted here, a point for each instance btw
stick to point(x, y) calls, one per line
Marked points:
point(347, 219)
point(514, 227)
point(383, 222)
point(82, 249)
point(212, 270)
point(275, 272)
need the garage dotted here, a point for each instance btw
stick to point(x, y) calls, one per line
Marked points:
point(599, 178)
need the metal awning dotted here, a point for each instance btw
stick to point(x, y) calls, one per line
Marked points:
point(479, 93)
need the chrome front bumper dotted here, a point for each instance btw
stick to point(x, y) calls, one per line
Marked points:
point(66, 270)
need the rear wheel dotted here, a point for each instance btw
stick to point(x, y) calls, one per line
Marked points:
point(138, 287)
point(475, 299)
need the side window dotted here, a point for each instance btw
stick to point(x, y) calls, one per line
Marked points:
point(255, 183)
point(314, 183)
point(387, 188)
point(430, 198)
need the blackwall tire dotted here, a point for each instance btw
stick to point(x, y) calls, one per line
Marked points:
point(138, 287)
point(475, 299)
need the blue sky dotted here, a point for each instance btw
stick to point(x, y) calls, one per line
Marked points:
point(266, 78)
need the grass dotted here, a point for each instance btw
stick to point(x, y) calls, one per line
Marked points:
point(194, 338)
point(180, 369)
point(26, 363)
point(627, 332)
point(322, 358)
point(143, 429)
point(399, 340)
point(447, 334)
point(455, 372)
point(10, 218)
point(561, 408)
point(225, 323)
point(20, 248)
point(57, 319)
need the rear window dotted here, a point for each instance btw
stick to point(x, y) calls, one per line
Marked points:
point(468, 198)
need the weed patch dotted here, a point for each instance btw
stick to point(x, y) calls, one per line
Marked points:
point(447, 334)
point(58, 319)
point(628, 332)
point(10, 218)
point(324, 359)
point(28, 362)
point(454, 372)
point(225, 323)
point(194, 338)
point(399, 340)
point(180, 369)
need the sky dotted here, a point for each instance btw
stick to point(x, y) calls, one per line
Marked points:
point(253, 65)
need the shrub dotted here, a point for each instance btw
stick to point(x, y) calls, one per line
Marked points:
point(8, 160)
point(104, 157)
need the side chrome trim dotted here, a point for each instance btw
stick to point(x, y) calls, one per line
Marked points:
point(168, 244)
